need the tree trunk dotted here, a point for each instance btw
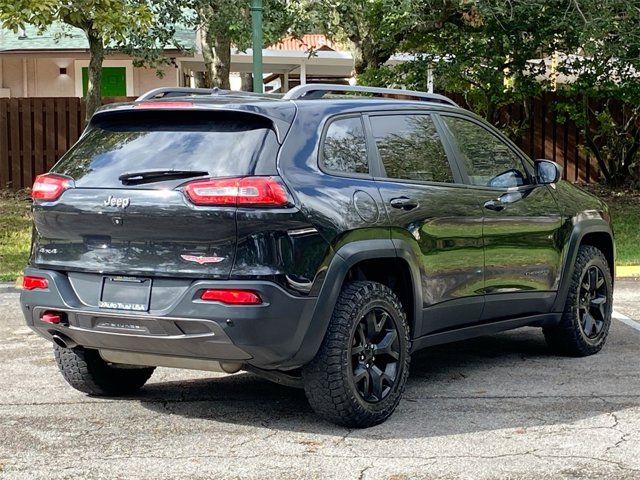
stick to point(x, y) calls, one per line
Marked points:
point(246, 82)
point(359, 63)
point(492, 112)
point(367, 55)
point(216, 50)
point(93, 98)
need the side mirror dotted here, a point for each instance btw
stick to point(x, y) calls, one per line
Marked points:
point(547, 172)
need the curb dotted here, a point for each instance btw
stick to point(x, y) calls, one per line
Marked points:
point(627, 271)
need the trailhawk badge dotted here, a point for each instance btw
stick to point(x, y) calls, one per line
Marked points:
point(201, 260)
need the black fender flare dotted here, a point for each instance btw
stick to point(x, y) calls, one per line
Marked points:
point(579, 231)
point(345, 258)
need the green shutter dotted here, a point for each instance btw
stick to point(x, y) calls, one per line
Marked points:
point(114, 81)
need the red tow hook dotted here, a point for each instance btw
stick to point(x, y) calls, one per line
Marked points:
point(51, 317)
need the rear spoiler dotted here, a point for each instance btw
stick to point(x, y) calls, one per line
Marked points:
point(280, 114)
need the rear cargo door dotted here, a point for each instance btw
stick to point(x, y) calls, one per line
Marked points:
point(114, 221)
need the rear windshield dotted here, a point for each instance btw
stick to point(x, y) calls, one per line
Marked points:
point(220, 143)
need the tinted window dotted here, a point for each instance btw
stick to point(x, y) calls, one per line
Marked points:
point(222, 144)
point(344, 149)
point(488, 160)
point(410, 148)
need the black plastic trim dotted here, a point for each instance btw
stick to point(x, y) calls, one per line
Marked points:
point(571, 252)
point(457, 335)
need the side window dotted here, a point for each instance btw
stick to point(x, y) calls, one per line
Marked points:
point(488, 160)
point(345, 149)
point(410, 148)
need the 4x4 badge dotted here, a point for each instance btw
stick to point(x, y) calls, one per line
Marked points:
point(201, 260)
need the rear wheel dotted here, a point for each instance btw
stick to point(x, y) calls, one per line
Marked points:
point(586, 319)
point(86, 371)
point(359, 373)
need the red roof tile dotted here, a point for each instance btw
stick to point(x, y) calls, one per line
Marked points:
point(309, 41)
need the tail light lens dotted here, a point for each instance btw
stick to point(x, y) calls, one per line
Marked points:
point(49, 187)
point(232, 297)
point(34, 283)
point(246, 191)
point(51, 317)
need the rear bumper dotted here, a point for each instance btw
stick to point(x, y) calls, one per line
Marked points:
point(265, 336)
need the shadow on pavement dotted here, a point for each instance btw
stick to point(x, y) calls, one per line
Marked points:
point(434, 404)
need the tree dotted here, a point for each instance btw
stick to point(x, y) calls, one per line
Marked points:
point(106, 24)
point(377, 29)
point(487, 55)
point(605, 78)
point(223, 23)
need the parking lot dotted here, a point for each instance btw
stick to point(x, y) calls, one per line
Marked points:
point(498, 407)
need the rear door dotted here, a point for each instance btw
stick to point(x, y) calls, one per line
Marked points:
point(434, 214)
point(148, 226)
point(522, 241)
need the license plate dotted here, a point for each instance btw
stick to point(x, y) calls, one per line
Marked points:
point(125, 293)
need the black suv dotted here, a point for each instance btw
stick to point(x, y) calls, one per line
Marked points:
point(317, 239)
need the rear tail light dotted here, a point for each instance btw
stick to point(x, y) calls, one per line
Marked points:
point(232, 297)
point(49, 187)
point(34, 283)
point(51, 317)
point(246, 191)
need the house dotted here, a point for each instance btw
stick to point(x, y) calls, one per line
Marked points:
point(55, 64)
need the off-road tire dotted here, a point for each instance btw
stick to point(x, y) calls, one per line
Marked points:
point(568, 337)
point(328, 379)
point(86, 371)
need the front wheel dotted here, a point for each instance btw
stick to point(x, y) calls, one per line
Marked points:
point(358, 376)
point(587, 313)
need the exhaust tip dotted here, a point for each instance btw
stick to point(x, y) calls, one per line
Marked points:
point(63, 341)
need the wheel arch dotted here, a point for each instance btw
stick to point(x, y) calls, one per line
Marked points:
point(596, 233)
point(367, 259)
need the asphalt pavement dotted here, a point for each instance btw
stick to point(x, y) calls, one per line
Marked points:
point(496, 407)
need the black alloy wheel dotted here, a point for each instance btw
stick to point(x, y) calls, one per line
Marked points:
point(592, 303)
point(583, 328)
point(375, 354)
point(359, 373)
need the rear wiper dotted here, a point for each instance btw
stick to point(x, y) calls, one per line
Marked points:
point(148, 176)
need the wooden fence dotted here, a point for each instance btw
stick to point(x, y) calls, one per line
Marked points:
point(548, 136)
point(35, 133)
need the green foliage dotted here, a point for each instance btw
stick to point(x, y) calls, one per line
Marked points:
point(113, 20)
point(606, 80)
point(226, 23)
point(15, 234)
point(484, 52)
point(376, 29)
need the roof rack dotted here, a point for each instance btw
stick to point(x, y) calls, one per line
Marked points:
point(168, 92)
point(318, 90)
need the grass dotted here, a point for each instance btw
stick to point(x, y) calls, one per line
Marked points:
point(625, 214)
point(15, 229)
point(15, 234)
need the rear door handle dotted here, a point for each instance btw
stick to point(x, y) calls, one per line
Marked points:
point(495, 205)
point(404, 203)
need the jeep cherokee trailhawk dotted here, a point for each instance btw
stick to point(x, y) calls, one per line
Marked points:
point(317, 239)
